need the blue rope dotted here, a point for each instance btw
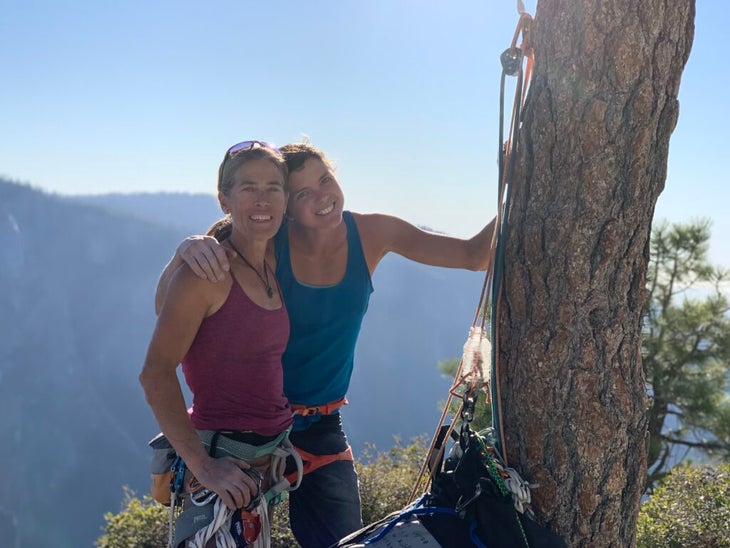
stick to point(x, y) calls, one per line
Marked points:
point(473, 535)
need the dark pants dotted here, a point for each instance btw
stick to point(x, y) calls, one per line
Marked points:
point(326, 507)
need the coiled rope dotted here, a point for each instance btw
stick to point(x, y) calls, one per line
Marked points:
point(220, 528)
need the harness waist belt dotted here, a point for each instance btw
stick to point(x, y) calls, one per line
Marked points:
point(279, 448)
point(324, 409)
point(218, 441)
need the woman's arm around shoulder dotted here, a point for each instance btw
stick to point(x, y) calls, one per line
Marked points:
point(205, 257)
point(380, 234)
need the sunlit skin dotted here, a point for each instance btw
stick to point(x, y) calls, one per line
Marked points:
point(318, 237)
point(317, 233)
point(256, 202)
point(316, 200)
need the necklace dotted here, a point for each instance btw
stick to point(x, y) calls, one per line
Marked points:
point(264, 278)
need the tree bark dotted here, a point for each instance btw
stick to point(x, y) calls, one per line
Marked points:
point(592, 156)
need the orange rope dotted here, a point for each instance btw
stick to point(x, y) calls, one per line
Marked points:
point(460, 378)
point(524, 26)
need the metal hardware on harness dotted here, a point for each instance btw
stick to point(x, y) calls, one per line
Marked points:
point(207, 497)
point(177, 484)
point(309, 411)
point(258, 478)
point(460, 506)
point(323, 409)
point(511, 59)
point(468, 407)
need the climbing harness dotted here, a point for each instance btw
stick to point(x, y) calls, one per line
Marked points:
point(198, 514)
point(324, 409)
point(312, 462)
point(279, 448)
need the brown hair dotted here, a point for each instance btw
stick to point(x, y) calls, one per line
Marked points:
point(295, 154)
point(230, 165)
point(222, 228)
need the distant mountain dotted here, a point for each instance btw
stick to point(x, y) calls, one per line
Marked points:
point(76, 313)
point(190, 213)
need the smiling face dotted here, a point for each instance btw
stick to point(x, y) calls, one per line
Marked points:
point(315, 197)
point(256, 199)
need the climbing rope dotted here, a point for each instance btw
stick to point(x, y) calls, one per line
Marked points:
point(512, 65)
point(479, 355)
point(218, 528)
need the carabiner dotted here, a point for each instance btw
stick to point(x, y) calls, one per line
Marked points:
point(258, 478)
point(208, 497)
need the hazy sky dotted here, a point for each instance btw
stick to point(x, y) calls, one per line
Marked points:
point(101, 96)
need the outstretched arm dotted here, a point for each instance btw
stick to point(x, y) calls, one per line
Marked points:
point(382, 234)
point(205, 257)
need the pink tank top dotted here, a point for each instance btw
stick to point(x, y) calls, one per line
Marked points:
point(233, 368)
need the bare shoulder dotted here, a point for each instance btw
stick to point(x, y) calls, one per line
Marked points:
point(373, 219)
point(378, 235)
point(187, 287)
point(376, 227)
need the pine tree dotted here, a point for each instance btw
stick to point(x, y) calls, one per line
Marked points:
point(686, 348)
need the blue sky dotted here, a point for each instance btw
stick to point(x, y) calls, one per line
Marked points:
point(102, 96)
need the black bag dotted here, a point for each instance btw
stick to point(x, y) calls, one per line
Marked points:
point(468, 505)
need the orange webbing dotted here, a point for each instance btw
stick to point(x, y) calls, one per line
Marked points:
point(312, 462)
point(324, 409)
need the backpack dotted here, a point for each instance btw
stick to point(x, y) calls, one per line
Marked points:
point(468, 504)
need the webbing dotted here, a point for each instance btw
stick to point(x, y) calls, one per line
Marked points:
point(312, 462)
point(280, 448)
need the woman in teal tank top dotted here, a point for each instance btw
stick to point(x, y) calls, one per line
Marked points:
point(318, 360)
point(325, 259)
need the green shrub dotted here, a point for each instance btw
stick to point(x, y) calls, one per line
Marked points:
point(386, 480)
point(281, 535)
point(689, 508)
point(140, 524)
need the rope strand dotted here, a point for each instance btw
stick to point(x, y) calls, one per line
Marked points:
point(491, 293)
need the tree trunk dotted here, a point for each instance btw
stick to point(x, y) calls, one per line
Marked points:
point(592, 156)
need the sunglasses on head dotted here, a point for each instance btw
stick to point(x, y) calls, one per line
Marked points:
point(240, 147)
point(247, 145)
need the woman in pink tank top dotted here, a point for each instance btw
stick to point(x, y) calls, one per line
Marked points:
point(229, 336)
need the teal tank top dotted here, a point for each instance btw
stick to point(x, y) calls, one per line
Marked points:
point(325, 323)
